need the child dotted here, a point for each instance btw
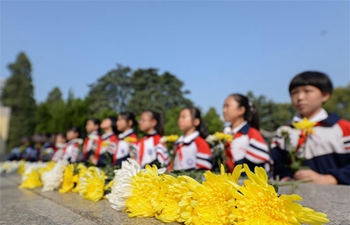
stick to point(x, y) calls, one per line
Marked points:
point(126, 125)
point(106, 145)
point(48, 148)
point(326, 151)
point(71, 150)
point(60, 143)
point(150, 150)
point(20, 152)
point(91, 141)
point(247, 146)
point(192, 151)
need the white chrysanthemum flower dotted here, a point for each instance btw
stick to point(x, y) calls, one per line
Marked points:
point(122, 188)
point(284, 130)
point(9, 166)
point(162, 140)
point(211, 139)
point(52, 180)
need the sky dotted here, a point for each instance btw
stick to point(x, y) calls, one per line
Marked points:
point(215, 47)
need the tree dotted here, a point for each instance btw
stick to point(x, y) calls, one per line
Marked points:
point(54, 96)
point(339, 102)
point(171, 117)
point(18, 94)
point(271, 114)
point(158, 92)
point(111, 92)
point(213, 121)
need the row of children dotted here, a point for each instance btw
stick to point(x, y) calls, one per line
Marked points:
point(326, 157)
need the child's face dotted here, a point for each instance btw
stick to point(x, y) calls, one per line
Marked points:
point(106, 123)
point(307, 100)
point(146, 122)
point(71, 135)
point(60, 139)
point(231, 110)
point(185, 121)
point(91, 126)
point(122, 124)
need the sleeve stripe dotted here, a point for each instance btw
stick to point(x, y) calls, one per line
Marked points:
point(257, 157)
point(202, 156)
point(256, 148)
point(203, 164)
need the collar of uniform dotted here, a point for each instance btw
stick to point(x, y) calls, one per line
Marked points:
point(321, 115)
point(150, 135)
point(242, 128)
point(106, 135)
point(188, 139)
point(125, 134)
point(93, 135)
point(76, 140)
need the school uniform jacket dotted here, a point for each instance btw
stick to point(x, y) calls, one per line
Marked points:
point(124, 148)
point(192, 152)
point(105, 148)
point(247, 146)
point(327, 150)
point(58, 152)
point(90, 144)
point(151, 150)
point(71, 151)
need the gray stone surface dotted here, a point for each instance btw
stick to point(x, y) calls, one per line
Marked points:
point(329, 199)
point(22, 206)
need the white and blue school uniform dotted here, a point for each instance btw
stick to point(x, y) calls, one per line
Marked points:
point(70, 152)
point(325, 151)
point(192, 152)
point(151, 150)
point(105, 149)
point(124, 148)
point(247, 146)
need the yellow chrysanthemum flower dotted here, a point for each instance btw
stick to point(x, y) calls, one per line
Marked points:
point(171, 138)
point(208, 204)
point(82, 170)
point(68, 179)
point(130, 139)
point(175, 189)
point(256, 202)
point(21, 167)
point(92, 184)
point(49, 166)
point(147, 194)
point(31, 180)
point(305, 125)
point(223, 137)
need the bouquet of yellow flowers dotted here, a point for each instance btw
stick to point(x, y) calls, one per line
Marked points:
point(218, 143)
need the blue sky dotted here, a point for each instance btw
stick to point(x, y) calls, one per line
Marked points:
point(215, 48)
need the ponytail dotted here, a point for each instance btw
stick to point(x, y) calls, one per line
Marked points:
point(201, 128)
point(160, 121)
point(251, 114)
point(129, 116)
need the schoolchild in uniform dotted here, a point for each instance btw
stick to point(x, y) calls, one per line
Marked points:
point(191, 149)
point(91, 141)
point(150, 149)
point(127, 138)
point(71, 151)
point(106, 146)
point(326, 150)
point(60, 144)
point(248, 145)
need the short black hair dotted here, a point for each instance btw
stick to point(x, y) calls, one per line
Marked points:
point(313, 78)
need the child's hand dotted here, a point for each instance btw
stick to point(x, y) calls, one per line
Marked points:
point(315, 177)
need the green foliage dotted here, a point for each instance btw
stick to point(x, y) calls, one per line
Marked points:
point(339, 102)
point(272, 115)
point(212, 121)
point(18, 94)
point(171, 117)
point(111, 92)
